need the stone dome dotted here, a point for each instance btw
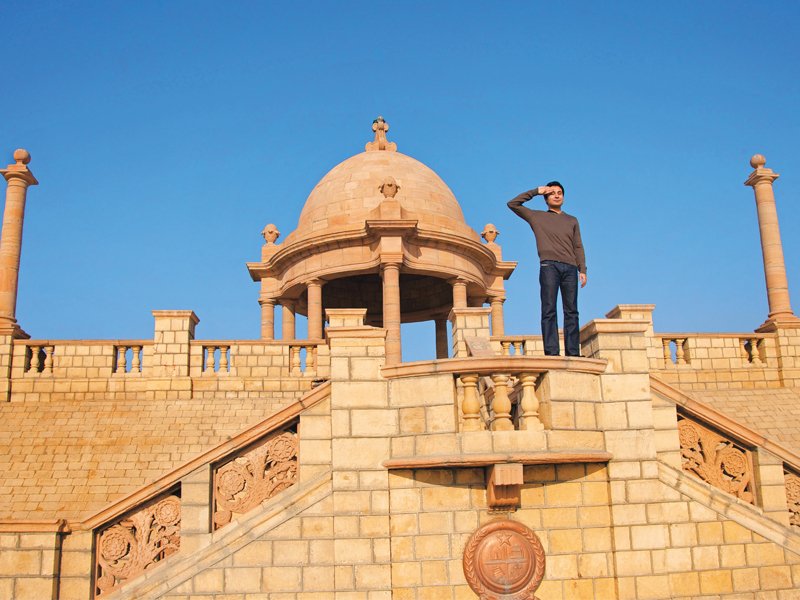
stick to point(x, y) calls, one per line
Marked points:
point(349, 192)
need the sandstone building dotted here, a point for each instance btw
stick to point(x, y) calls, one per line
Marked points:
point(660, 465)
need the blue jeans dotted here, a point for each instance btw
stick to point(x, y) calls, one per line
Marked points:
point(554, 275)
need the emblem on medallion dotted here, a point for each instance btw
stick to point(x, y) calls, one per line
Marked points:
point(504, 560)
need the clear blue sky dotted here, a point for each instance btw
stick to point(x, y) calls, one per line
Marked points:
point(166, 134)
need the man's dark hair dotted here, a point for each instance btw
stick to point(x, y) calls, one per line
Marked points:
point(559, 185)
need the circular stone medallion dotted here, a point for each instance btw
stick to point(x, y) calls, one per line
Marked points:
point(504, 560)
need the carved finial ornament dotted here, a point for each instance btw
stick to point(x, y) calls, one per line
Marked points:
point(22, 156)
point(19, 170)
point(757, 161)
point(490, 233)
point(380, 127)
point(389, 187)
point(270, 233)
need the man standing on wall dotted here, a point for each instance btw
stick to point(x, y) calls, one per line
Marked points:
point(562, 264)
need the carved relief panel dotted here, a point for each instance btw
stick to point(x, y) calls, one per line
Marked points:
point(793, 496)
point(256, 474)
point(126, 548)
point(716, 459)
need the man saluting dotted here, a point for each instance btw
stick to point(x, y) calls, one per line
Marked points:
point(562, 263)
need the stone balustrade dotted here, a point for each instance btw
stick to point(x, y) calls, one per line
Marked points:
point(716, 360)
point(508, 402)
point(125, 369)
point(498, 393)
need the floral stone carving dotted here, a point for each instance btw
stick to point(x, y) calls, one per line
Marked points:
point(504, 560)
point(256, 475)
point(135, 543)
point(715, 459)
point(793, 497)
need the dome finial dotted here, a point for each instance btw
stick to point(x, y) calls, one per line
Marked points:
point(380, 127)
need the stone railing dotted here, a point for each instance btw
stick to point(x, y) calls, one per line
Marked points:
point(258, 358)
point(714, 351)
point(723, 360)
point(79, 358)
point(498, 392)
point(123, 369)
point(517, 345)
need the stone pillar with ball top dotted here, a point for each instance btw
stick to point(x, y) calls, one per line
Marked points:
point(19, 177)
point(780, 319)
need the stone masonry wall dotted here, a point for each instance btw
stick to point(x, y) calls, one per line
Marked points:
point(29, 565)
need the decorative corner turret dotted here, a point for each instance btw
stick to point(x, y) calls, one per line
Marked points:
point(380, 127)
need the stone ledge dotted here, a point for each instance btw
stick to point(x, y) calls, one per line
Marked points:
point(497, 364)
point(27, 526)
point(485, 460)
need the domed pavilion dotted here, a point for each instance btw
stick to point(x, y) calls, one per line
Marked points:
point(381, 231)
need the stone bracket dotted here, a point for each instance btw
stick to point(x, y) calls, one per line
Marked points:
point(503, 481)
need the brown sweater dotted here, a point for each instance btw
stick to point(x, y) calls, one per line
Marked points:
point(558, 236)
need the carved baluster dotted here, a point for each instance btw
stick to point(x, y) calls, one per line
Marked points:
point(48, 359)
point(667, 352)
point(295, 357)
point(506, 350)
point(756, 351)
point(136, 364)
point(745, 353)
point(210, 350)
point(122, 359)
point(470, 407)
point(223, 359)
point(529, 404)
point(36, 360)
point(501, 404)
point(311, 359)
point(679, 352)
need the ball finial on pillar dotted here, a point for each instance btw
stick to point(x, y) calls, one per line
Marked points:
point(22, 156)
point(757, 161)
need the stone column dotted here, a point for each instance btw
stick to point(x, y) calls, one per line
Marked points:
point(459, 293)
point(441, 337)
point(287, 326)
point(391, 312)
point(19, 177)
point(496, 303)
point(761, 180)
point(315, 309)
point(267, 319)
